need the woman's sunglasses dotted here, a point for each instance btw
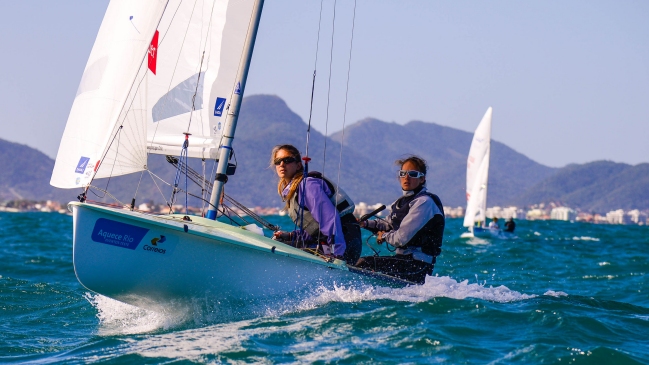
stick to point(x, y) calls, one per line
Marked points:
point(286, 160)
point(411, 173)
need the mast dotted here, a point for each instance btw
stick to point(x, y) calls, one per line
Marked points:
point(233, 111)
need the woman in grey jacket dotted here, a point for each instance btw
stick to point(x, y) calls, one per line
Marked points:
point(415, 228)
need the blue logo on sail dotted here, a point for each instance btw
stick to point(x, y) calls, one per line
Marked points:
point(218, 108)
point(81, 166)
point(237, 90)
point(118, 234)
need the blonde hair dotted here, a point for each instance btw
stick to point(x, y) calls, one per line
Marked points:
point(297, 179)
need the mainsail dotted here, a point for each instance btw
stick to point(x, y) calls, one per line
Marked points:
point(158, 69)
point(477, 172)
point(201, 45)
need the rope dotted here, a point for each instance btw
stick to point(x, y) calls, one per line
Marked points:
point(183, 154)
point(106, 193)
point(152, 175)
point(199, 180)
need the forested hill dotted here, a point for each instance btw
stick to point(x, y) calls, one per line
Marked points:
point(367, 172)
point(25, 174)
point(598, 186)
point(445, 149)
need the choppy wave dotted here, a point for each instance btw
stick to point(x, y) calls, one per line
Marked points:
point(119, 318)
point(560, 293)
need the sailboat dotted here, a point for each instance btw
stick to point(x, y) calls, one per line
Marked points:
point(168, 77)
point(477, 177)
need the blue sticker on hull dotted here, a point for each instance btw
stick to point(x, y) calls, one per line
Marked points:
point(118, 234)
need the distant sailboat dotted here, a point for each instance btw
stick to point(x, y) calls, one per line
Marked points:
point(477, 177)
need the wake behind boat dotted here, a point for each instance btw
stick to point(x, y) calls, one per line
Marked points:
point(167, 78)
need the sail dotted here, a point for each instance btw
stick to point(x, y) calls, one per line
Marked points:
point(121, 45)
point(477, 172)
point(201, 45)
point(130, 105)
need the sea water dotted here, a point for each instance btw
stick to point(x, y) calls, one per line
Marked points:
point(560, 293)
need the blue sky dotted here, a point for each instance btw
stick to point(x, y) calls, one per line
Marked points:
point(568, 81)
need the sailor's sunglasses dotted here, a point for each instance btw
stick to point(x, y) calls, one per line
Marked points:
point(411, 173)
point(286, 160)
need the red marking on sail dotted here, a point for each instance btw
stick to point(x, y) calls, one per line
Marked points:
point(153, 52)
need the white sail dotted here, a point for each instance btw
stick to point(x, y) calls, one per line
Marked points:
point(200, 48)
point(136, 108)
point(477, 172)
point(150, 260)
point(107, 81)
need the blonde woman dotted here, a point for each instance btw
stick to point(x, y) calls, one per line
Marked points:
point(322, 212)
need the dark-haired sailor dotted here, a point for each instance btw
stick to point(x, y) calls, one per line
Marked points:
point(327, 212)
point(415, 227)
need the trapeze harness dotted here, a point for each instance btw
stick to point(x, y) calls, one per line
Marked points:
point(343, 203)
point(429, 238)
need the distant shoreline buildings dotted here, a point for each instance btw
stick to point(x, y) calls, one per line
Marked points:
point(536, 212)
point(560, 213)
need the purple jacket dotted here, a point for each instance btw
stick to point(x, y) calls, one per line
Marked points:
point(316, 200)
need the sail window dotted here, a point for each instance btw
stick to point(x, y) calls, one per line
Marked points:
point(91, 79)
point(179, 99)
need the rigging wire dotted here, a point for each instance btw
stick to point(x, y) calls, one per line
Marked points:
point(331, 53)
point(315, 66)
point(306, 158)
point(349, 66)
point(199, 180)
point(324, 153)
point(152, 175)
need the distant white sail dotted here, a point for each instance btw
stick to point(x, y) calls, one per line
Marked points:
point(477, 172)
point(149, 68)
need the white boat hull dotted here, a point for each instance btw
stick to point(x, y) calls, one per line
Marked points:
point(481, 232)
point(148, 260)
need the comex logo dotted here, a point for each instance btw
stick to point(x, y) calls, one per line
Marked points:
point(155, 241)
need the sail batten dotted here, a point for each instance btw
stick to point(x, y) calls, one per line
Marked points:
point(477, 173)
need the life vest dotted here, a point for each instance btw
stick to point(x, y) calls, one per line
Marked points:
point(343, 203)
point(429, 237)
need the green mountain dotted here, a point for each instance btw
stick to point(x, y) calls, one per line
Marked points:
point(26, 174)
point(367, 171)
point(599, 186)
point(445, 149)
